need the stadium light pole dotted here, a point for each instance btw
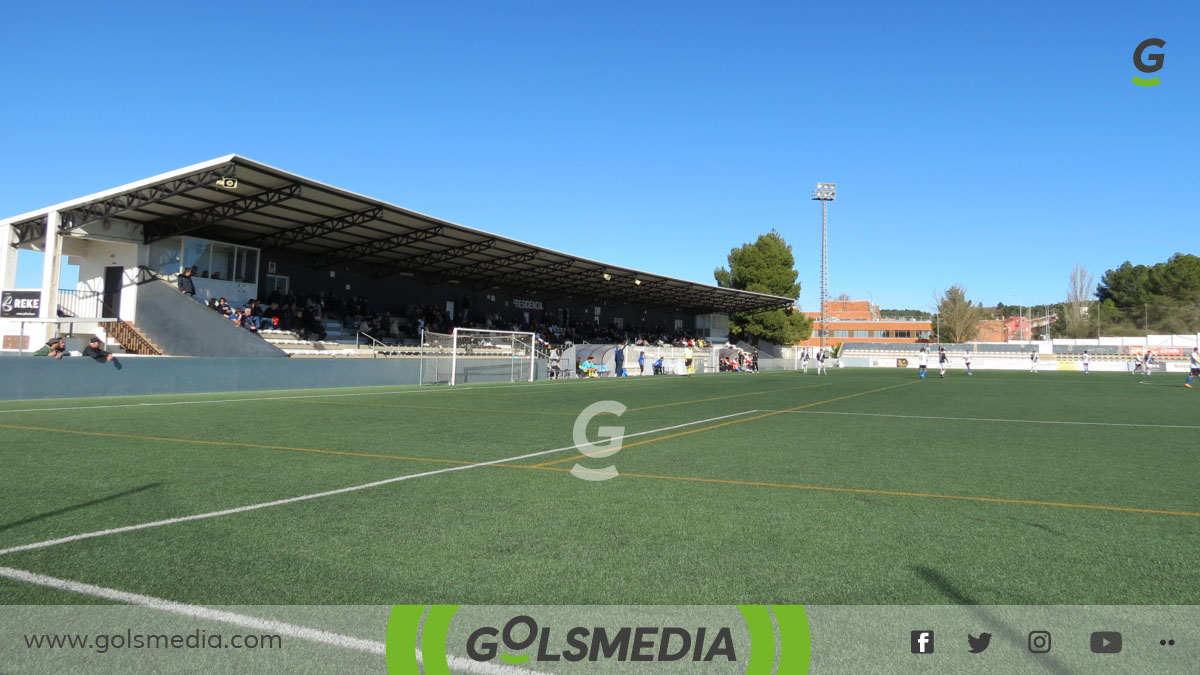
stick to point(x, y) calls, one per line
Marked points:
point(824, 193)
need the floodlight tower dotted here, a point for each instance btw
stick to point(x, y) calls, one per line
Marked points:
point(824, 193)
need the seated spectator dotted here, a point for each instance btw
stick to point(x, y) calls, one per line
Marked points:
point(271, 316)
point(223, 307)
point(316, 326)
point(56, 348)
point(248, 320)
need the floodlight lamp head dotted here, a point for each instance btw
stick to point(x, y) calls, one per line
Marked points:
point(825, 192)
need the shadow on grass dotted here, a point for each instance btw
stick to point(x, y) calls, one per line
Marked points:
point(998, 625)
point(76, 507)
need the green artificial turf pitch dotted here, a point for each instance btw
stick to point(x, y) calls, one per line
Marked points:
point(873, 487)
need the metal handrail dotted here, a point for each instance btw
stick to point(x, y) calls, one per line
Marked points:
point(374, 347)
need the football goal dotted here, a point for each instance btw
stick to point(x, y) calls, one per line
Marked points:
point(471, 355)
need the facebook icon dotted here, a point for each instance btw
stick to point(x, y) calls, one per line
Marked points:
point(922, 642)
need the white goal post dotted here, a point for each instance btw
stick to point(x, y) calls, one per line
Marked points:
point(479, 355)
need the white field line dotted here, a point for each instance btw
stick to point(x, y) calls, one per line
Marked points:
point(457, 663)
point(330, 493)
point(430, 390)
point(989, 419)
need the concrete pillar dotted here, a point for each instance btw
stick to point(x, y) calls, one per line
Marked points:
point(8, 256)
point(51, 266)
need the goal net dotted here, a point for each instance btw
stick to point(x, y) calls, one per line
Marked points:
point(469, 356)
point(437, 361)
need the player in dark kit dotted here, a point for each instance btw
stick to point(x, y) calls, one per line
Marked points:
point(943, 362)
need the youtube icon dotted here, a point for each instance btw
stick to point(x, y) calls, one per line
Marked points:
point(1106, 642)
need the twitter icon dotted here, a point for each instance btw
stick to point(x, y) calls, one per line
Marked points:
point(980, 643)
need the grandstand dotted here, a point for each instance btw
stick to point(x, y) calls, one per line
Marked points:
point(344, 275)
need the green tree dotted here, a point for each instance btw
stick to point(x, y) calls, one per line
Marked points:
point(766, 266)
point(1161, 298)
point(958, 317)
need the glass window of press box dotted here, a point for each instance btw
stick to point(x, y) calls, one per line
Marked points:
point(212, 259)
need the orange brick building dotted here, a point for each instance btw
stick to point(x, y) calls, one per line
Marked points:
point(859, 321)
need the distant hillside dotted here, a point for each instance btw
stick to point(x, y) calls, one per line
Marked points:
point(904, 313)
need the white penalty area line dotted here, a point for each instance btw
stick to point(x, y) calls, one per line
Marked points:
point(239, 400)
point(986, 419)
point(353, 488)
point(281, 628)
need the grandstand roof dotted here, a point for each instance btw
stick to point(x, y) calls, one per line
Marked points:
point(274, 209)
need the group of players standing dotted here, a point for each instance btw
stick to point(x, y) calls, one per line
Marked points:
point(820, 358)
point(1141, 365)
point(943, 362)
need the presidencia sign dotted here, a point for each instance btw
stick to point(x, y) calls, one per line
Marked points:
point(598, 639)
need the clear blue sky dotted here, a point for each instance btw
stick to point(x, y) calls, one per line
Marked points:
point(995, 147)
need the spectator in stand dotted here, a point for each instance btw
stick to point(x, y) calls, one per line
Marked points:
point(316, 326)
point(223, 307)
point(299, 323)
point(271, 316)
point(95, 350)
point(186, 285)
point(248, 320)
point(55, 348)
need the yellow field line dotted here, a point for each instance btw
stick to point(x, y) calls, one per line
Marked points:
point(888, 493)
point(230, 444)
point(722, 398)
point(435, 407)
point(689, 479)
point(556, 412)
point(739, 420)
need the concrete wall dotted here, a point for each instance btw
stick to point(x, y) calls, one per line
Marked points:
point(26, 377)
point(181, 326)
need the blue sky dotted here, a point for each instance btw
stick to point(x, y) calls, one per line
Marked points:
point(994, 147)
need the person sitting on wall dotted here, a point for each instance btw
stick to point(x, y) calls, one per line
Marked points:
point(224, 307)
point(95, 350)
point(56, 348)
